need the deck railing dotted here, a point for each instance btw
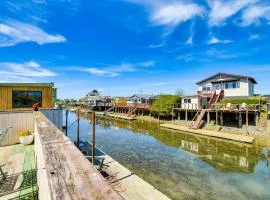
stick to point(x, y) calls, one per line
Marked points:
point(63, 172)
point(236, 107)
point(188, 106)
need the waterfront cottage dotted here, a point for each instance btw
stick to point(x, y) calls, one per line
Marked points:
point(18, 96)
point(213, 88)
point(140, 99)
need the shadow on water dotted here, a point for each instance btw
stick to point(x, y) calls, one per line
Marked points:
point(183, 165)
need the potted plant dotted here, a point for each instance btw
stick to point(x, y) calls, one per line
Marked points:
point(26, 137)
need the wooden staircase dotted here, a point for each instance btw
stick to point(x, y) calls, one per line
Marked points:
point(215, 98)
point(196, 122)
point(131, 110)
point(110, 109)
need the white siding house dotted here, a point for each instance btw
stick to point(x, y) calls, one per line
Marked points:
point(190, 102)
point(213, 88)
point(233, 85)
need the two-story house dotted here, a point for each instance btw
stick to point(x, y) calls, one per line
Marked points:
point(213, 88)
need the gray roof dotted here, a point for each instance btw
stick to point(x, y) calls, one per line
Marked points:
point(224, 75)
point(27, 84)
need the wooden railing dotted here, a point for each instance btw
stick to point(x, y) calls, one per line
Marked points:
point(63, 172)
point(238, 107)
point(206, 92)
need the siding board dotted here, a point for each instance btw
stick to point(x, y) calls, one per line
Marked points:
point(6, 96)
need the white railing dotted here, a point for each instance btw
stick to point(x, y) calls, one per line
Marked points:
point(188, 106)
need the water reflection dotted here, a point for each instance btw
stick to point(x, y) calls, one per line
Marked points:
point(224, 155)
point(184, 166)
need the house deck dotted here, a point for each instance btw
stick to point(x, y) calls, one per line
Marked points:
point(20, 170)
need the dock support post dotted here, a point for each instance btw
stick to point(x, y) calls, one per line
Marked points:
point(93, 136)
point(66, 122)
point(256, 118)
point(221, 118)
point(186, 117)
point(216, 118)
point(240, 120)
point(78, 128)
point(172, 114)
point(179, 117)
point(208, 118)
point(247, 118)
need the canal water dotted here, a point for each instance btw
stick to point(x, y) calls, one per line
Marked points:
point(182, 165)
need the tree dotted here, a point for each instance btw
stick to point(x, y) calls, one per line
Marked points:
point(179, 92)
point(94, 93)
point(164, 104)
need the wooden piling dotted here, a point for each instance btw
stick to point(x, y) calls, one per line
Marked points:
point(66, 122)
point(208, 117)
point(247, 118)
point(179, 117)
point(78, 128)
point(221, 118)
point(93, 136)
point(186, 117)
point(240, 120)
point(216, 118)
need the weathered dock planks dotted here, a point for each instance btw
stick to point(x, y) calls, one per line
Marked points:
point(121, 116)
point(128, 184)
point(228, 136)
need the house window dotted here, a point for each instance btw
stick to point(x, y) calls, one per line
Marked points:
point(232, 85)
point(187, 100)
point(206, 88)
point(26, 99)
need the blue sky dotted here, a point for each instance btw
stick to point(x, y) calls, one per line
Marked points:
point(123, 47)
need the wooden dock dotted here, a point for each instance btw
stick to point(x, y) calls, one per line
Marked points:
point(121, 116)
point(128, 184)
point(227, 136)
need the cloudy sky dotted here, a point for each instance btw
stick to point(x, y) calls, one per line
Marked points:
point(121, 47)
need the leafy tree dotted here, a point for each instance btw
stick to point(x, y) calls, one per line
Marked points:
point(164, 104)
point(180, 92)
point(94, 92)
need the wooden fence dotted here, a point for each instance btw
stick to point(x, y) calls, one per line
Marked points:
point(17, 120)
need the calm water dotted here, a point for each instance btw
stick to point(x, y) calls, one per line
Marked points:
point(184, 166)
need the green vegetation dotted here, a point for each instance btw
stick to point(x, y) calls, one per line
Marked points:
point(248, 100)
point(164, 104)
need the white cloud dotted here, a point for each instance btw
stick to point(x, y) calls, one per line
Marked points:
point(254, 37)
point(254, 14)
point(15, 32)
point(113, 70)
point(215, 40)
point(189, 41)
point(175, 13)
point(155, 46)
point(157, 84)
point(222, 10)
point(23, 72)
point(100, 72)
point(149, 63)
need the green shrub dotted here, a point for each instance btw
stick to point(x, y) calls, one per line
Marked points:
point(164, 104)
point(247, 100)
